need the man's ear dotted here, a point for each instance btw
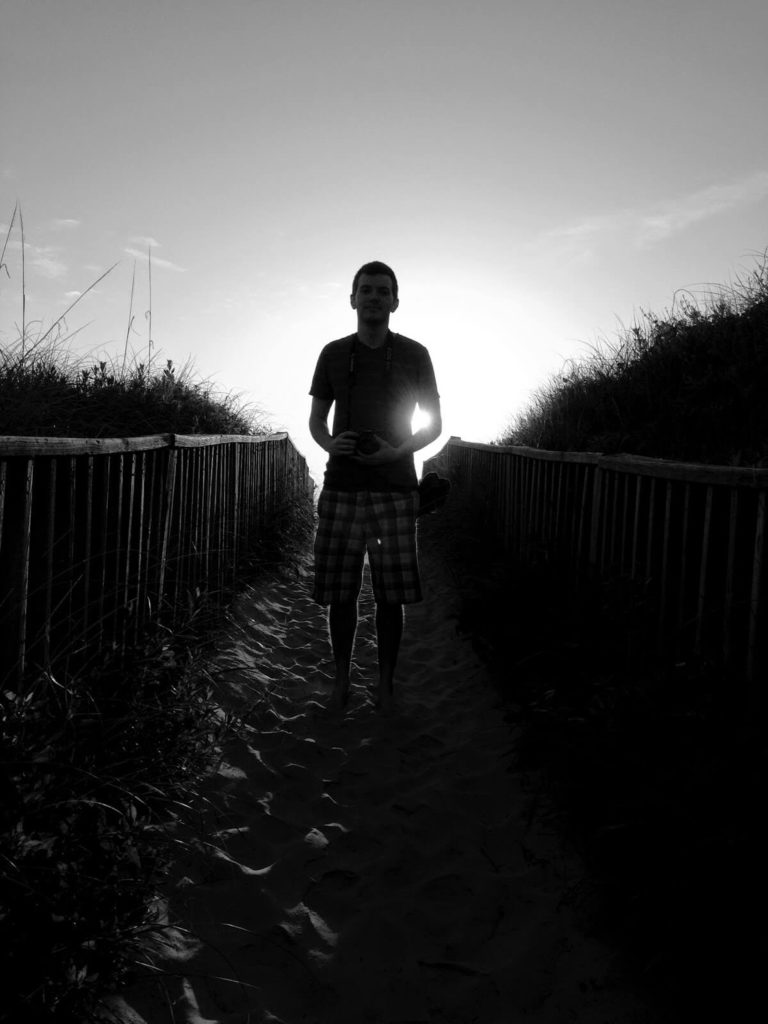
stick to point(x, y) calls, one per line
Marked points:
point(395, 304)
point(352, 301)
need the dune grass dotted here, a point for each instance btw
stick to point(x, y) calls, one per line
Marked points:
point(48, 393)
point(687, 385)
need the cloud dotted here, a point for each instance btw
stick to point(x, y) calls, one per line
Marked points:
point(146, 241)
point(62, 223)
point(46, 261)
point(701, 205)
point(72, 295)
point(43, 259)
point(647, 226)
point(156, 260)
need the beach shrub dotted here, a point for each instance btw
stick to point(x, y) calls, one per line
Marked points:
point(47, 393)
point(687, 385)
point(95, 771)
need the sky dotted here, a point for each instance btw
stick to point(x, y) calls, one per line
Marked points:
point(537, 172)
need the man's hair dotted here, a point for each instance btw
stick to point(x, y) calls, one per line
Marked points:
point(375, 268)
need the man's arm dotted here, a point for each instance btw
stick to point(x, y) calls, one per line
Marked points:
point(342, 444)
point(391, 453)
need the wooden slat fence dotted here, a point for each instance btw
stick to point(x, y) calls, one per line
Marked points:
point(98, 536)
point(691, 537)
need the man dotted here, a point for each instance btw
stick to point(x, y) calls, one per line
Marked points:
point(369, 499)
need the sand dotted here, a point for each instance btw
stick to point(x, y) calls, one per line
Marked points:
point(356, 867)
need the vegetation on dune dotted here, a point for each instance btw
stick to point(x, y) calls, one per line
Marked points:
point(44, 393)
point(97, 772)
point(688, 385)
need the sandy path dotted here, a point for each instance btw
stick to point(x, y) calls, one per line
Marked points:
point(370, 869)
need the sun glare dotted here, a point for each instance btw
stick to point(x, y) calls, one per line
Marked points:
point(420, 419)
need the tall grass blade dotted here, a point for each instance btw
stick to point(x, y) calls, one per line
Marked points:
point(72, 305)
point(130, 320)
point(149, 312)
point(23, 288)
point(5, 242)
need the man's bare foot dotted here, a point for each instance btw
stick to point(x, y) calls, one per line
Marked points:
point(341, 694)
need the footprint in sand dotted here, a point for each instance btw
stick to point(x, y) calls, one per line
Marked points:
point(366, 868)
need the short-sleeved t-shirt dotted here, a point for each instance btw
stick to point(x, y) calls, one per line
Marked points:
point(380, 398)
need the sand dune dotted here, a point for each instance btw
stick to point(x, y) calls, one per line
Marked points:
point(367, 868)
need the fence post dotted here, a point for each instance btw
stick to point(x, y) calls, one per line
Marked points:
point(49, 537)
point(595, 520)
point(757, 569)
point(730, 567)
point(703, 572)
point(26, 538)
point(170, 481)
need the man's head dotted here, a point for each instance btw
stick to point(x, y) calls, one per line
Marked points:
point(373, 269)
point(374, 294)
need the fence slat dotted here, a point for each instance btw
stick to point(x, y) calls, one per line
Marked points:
point(596, 509)
point(684, 560)
point(3, 473)
point(166, 525)
point(50, 534)
point(730, 568)
point(26, 538)
point(755, 594)
point(702, 594)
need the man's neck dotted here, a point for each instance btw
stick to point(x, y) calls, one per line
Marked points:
point(373, 336)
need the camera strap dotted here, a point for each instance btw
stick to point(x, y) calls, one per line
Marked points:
point(352, 375)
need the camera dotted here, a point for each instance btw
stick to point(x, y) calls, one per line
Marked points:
point(366, 443)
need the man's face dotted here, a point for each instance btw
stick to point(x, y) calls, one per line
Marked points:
point(374, 299)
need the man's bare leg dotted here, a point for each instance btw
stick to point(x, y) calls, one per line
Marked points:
point(389, 631)
point(342, 624)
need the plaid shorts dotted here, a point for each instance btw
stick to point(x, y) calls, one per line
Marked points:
point(383, 523)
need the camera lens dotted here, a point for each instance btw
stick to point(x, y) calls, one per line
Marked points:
point(367, 443)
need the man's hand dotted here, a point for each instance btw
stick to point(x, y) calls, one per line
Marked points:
point(384, 454)
point(344, 443)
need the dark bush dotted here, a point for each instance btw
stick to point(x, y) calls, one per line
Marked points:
point(688, 386)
